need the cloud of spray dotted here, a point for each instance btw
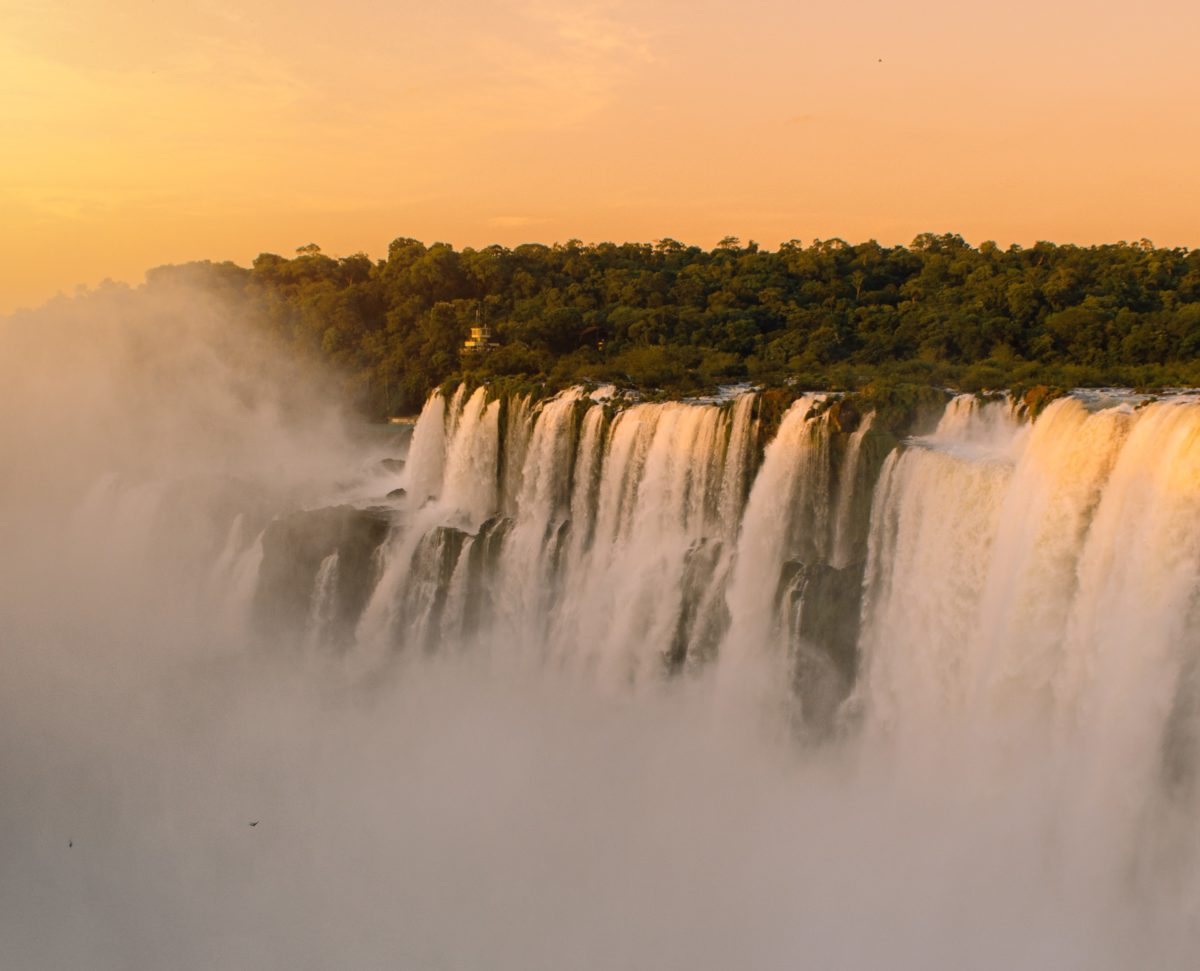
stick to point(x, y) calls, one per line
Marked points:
point(462, 812)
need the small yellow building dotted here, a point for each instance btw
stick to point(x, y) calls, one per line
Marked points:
point(480, 340)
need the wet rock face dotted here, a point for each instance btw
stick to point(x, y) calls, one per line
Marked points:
point(422, 602)
point(1180, 767)
point(703, 616)
point(294, 548)
point(822, 606)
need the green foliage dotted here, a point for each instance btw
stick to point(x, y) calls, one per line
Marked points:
point(900, 407)
point(676, 319)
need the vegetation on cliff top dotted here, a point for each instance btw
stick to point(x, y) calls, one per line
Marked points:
point(682, 319)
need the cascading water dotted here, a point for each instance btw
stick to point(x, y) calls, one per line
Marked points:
point(627, 539)
point(684, 684)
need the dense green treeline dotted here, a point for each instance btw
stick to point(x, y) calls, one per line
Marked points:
point(681, 318)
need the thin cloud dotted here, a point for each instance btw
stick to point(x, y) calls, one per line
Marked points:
point(602, 29)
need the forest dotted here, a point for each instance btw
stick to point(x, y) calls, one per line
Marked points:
point(667, 318)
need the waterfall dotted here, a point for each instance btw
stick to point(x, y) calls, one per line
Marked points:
point(933, 577)
point(427, 453)
point(469, 490)
point(942, 676)
point(992, 568)
point(321, 612)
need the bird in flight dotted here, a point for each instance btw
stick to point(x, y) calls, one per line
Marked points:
point(255, 823)
point(70, 843)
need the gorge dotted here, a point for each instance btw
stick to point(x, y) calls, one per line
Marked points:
point(590, 682)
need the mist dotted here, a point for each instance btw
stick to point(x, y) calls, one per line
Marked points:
point(532, 792)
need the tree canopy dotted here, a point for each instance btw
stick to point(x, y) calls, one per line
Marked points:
point(662, 315)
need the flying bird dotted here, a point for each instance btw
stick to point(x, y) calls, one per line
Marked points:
point(70, 843)
point(255, 823)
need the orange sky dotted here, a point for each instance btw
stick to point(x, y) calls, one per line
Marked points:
point(141, 132)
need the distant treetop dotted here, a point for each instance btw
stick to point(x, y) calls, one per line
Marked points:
point(681, 318)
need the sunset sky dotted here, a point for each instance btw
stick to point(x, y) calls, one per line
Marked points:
point(135, 133)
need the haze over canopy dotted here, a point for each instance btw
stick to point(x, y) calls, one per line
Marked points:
point(137, 132)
